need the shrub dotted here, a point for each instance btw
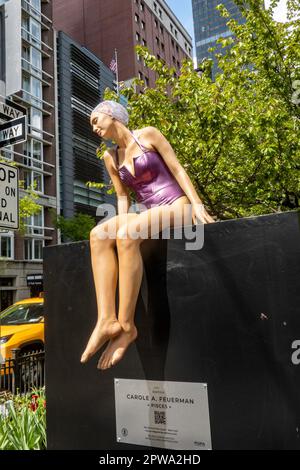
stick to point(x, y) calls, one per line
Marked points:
point(23, 421)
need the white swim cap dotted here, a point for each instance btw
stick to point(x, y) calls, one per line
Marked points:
point(113, 109)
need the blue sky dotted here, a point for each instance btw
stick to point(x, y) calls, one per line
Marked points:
point(183, 11)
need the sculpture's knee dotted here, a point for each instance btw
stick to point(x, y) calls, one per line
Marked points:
point(124, 239)
point(100, 234)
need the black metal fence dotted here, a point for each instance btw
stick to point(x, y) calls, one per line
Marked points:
point(23, 371)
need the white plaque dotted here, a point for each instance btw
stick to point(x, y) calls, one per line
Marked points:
point(165, 414)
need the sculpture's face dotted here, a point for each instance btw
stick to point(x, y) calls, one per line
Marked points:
point(101, 124)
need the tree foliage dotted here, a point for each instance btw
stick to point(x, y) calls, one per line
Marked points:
point(74, 228)
point(237, 136)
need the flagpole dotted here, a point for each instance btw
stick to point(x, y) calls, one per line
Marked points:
point(117, 74)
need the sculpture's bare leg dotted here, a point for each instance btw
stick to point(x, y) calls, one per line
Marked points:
point(131, 271)
point(105, 271)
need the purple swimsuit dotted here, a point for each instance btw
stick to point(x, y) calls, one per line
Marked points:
point(153, 183)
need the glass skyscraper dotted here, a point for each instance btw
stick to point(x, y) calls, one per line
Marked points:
point(209, 25)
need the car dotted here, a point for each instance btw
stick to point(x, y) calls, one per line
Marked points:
point(22, 326)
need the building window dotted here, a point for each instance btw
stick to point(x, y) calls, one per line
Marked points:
point(37, 179)
point(160, 13)
point(27, 152)
point(34, 223)
point(35, 30)
point(33, 149)
point(147, 81)
point(137, 37)
point(144, 42)
point(34, 88)
point(34, 226)
point(33, 249)
point(6, 244)
point(36, 58)
point(33, 180)
point(155, 6)
point(36, 121)
point(27, 179)
point(136, 18)
point(143, 24)
point(7, 152)
point(36, 4)
point(26, 53)
point(161, 29)
point(26, 83)
point(25, 23)
point(142, 6)
point(33, 158)
point(37, 153)
point(33, 60)
point(156, 23)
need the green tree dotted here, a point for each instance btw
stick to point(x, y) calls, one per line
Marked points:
point(237, 136)
point(74, 228)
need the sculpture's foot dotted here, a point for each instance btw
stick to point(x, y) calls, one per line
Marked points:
point(103, 331)
point(116, 348)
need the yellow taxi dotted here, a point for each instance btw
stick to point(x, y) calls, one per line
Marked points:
point(22, 326)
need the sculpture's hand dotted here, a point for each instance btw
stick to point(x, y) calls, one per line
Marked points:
point(199, 213)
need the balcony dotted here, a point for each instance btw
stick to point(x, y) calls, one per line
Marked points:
point(36, 72)
point(45, 22)
point(36, 231)
point(35, 42)
point(31, 100)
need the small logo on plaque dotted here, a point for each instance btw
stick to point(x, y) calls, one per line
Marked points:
point(199, 443)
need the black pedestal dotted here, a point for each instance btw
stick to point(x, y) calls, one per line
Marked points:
point(227, 315)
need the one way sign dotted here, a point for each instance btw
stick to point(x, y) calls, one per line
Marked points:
point(9, 109)
point(13, 131)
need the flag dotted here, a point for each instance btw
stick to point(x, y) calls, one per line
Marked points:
point(113, 65)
